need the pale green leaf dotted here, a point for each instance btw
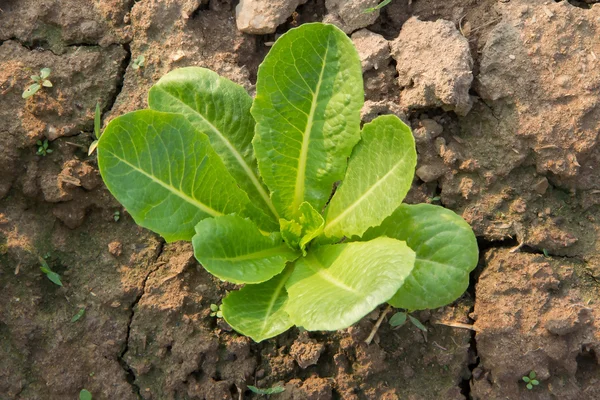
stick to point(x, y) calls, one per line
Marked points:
point(398, 319)
point(92, 147)
point(166, 174)
point(220, 109)
point(380, 173)
point(417, 323)
point(78, 316)
point(446, 251)
point(233, 249)
point(312, 224)
point(47, 83)
point(309, 93)
point(291, 232)
point(97, 121)
point(31, 90)
point(45, 72)
point(336, 285)
point(258, 311)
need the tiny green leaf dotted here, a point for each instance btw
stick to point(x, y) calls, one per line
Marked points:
point(258, 311)
point(45, 72)
point(417, 323)
point(529, 386)
point(31, 90)
point(377, 7)
point(532, 374)
point(233, 249)
point(309, 94)
point(526, 379)
point(53, 276)
point(312, 224)
point(535, 382)
point(97, 120)
point(398, 319)
point(47, 83)
point(291, 232)
point(269, 391)
point(214, 307)
point(35, 78)
point(336, 285)
point(77, 316)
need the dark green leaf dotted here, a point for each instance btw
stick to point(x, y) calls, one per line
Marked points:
point(417, 323)
point(398, 319)
point(77, 316)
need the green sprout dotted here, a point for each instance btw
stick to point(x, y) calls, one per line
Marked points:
point(53, 276)
point(97, 133)
point(216, 311)
point(85, 395)
point(138, 62)
point(530, 380)
point(400, 319)
point(377, 7)
point(117, 215)
point(40, 80)
point(266, 392)
point(78, 316)
point(43, 149)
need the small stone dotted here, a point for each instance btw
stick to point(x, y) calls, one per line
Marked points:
point(115, 248)
point(373, 49)
point(260, 17)
point(430, 173)
point(350, 15)
point(541, 186)
point(427, 130)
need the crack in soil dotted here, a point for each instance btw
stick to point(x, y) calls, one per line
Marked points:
point(129, 373)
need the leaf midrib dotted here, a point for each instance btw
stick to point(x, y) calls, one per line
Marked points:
point(320, 270)
point(238, 157)
point(274, 298)
point(274, 251)
point(365, 195)
point(302, 160)
point(170, 188)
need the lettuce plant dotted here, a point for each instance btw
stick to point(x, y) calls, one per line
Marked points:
point(251, 184)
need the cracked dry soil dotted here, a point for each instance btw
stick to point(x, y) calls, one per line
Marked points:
point(518, 158)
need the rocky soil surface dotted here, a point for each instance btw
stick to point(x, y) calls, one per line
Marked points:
point(503, 99)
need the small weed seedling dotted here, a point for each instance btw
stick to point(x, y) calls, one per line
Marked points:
point(97, 133)
point(400, 318)
point(377, 7)
point(117, 216)
point(43, 149)
point(40, 80)
point(53, 276)
point(266, 392)
point(249, 182)
point(215, 311)
point(85, 395)
point(138, 62)
point(78, 316)
point(530, 380)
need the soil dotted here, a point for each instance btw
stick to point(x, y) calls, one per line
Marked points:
point(518, 159)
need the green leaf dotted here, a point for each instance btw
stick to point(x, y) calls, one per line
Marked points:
point(312, 224)
point(417, 323)
point(336, 285)
point(529, 386)
point(47, 83)
point(97, 121)
point(398, 319)
point(532, 374)
point(309, 93)
point(291, 232)
point(380, 173)
point(526, 379)
point(31, 90)
point(53, 276)
point(35, 78)
point(78, 316)
point(233, 249)
point(446, 251)
point(45, 72)
point(258, 311)
point(166, 174)
point(214, 307)
point(269, 391)
point(377, 7)
point(220, 109)
point(535, 382)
